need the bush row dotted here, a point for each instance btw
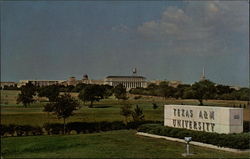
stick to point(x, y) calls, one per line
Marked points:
point(20, 130)
point(90, 127)
point(238, 141)
point(73, 127)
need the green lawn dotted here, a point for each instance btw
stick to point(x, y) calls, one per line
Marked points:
point(101, 112)
point(9, 96)
point(113, 144)
point(105, 110)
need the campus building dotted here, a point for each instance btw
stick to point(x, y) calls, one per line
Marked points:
point(39, 82)
point(86, 80)
point(72, 81)
point(8, 84)
point(127, 81)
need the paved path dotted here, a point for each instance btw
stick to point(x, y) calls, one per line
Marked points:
point(194, 143)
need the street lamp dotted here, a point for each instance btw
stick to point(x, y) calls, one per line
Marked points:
point(187, 139)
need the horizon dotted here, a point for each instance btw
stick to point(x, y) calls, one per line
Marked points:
point(147, 80)
point(164, 40)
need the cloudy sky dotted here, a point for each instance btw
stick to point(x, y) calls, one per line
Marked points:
point(164, 40)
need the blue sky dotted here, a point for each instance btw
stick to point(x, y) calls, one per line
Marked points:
point(164, 40)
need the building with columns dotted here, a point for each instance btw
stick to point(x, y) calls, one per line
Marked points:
point(127, 81)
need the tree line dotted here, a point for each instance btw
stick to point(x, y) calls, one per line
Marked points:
point(91, 93)
point(199, 90)
point(87, 92)
point(64, 105)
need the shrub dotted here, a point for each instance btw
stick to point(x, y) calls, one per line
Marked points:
point(82, 127)
point(137, 97)
point(53, 128)
point(76, 127)
point(246, 126)
point(3, 129)
point(23, 130)
point(155, 106)
point(136, 124)
point(20, 130)
point(37, 131)
point(118, 125)
point(11, 129)
point(238, 141)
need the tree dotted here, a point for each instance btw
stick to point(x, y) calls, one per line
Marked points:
point(155, 106)
point(120, 92)
point(126, 111)
point(203, 90)
point(180, 90)
point(62, 107)
point(166, 91)
point(51, 92)
point(188, 93)
point(137, 114)
point(79, 87)
point(107, 90)
point(91, 93)
point(48, 108)
point(221, 89)
point(152, 87)
point(26, 95)
point(164, 84)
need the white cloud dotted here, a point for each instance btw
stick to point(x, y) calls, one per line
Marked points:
point(199, 26)
point(120, 28)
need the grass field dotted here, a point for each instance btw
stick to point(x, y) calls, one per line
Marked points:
point(102, 112)
point(105, 110)
point(113, 144)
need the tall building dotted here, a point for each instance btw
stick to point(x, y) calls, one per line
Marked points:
point(203, 75)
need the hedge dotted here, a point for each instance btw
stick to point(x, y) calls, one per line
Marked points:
point(20, 130)
point(238, 141)
point(77, 127)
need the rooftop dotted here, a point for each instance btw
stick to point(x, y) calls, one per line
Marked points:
point(125, 77)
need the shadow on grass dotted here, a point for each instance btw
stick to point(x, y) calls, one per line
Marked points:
point(102, 106)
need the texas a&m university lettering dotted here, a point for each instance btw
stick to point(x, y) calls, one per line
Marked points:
point(204, 118)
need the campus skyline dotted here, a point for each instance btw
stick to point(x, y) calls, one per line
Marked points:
point(164, 40)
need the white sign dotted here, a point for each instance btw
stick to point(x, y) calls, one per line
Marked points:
point(204, 118)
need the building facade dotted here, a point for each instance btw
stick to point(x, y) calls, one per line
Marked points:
point(8, 84)
point(39, 82)
point(86, 80)
point(127, 81)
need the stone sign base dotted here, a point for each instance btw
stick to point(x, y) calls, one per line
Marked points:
point(204, 118)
